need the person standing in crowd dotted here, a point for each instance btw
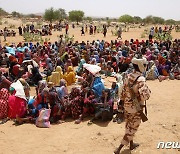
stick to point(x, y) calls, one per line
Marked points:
point(104, 30)
point(95, 28)
point(119, 32)
point(82, 31)
point(5, 33)
point(20, 30)
point(67, 28)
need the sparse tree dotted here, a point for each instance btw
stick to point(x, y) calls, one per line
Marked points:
point(76, 15)
point(16, 14)
point(126, 19)
point(89, 19)
point(3, 12)
point(148, 19)
point(158, 20)
point(170, 22)
point(60, 14)
point(137, 19)
point(49, 14)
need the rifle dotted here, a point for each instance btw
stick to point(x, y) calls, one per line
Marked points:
point(136, 102)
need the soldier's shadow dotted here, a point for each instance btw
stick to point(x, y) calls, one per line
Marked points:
point(126, 151)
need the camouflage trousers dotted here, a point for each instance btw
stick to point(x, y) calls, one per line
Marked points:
point(132, 121)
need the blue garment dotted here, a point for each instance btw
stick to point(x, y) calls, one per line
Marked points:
point(97, 58)
point(156, 72)
point(98, 86)
point(124, 53)
point(30, 45)
point(10, 50)
point(22, 49)
point(34, 111)
point(61, 92)
point(100, 47)
point(31, 106)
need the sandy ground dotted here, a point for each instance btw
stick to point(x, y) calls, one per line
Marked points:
point(101, 138)
point(134, 33)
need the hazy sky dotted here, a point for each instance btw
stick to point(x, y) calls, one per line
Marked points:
point(101, 8)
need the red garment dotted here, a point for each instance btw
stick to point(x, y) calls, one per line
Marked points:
point(4, 95)
point(12, 59)
point(16, 69)
point(21, 58)
point(161, 60)
point(17, 107)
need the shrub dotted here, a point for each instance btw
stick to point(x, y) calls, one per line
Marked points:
point(29, 37)
point(163, 36)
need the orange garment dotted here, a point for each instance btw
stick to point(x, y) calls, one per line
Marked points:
point(70, 76)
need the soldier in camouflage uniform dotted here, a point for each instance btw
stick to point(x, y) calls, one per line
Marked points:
point(142, 92)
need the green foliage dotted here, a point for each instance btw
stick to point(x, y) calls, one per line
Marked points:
point(170, 22)
point(177, 28)
point(68, 38)
point(30, 37)
point(39, 24)
point(178, 22)
point(137, 19)
point(126, 19)
point(144, 33)
point(153, 20)
point(148, 19)
point(49, 14)
point(16, 14)
point(89, 19)
point(60, 14)
point(163, 36)
point(53, 15)
point(3, 12)
point(158, 20)
point(99, 29)
point(1, 22)
point(76, 15)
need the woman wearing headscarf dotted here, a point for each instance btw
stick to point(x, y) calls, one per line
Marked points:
point(62, 91)
point(17, 101)
point(70, 76)
point(88, 102)
point(49, 67)
point(152, 73)
point(76, 103)
point(93, 61)
point(56, 76)
point(80, 67)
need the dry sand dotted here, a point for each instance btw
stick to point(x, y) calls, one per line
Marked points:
point(101, 138)
point(134, 33)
